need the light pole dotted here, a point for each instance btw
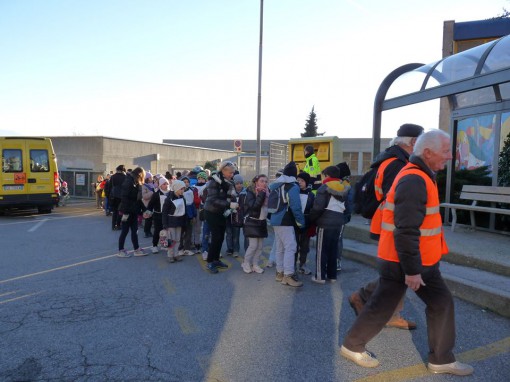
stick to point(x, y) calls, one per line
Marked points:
point(259, 98)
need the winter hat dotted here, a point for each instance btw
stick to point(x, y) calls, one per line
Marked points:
point(184, 178)
point(197, 169)
point(162, 181)
point(344, 169)
point(305, 176)
point(290, 169)
point(332, 172)
point(238, 179)
point(409, 130)
point(202, 175)
point(148, 175)
point(177, 185)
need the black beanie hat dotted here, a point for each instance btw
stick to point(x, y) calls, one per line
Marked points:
point(305, 176)
point(290, 169)
point(409, 130)
point(344, 169)
point(332, 172)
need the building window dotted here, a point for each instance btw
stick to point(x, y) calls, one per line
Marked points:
point(367, 161)
point(351, 158)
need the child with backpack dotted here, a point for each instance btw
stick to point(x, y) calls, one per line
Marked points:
point(327, 214)
point(303, 234)
point(285, 207)
point(235, 220)
point(173, 214)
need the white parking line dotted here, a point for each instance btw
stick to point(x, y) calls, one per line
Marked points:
point(56, 269)
point(40, 223)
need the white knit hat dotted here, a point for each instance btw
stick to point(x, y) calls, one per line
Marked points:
point(162, 181)
point(177, 185)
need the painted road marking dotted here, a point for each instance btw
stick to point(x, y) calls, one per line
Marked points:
point(185, 322)
point(420, 370)
point(169, 287)
point(19, 297)
point(211, 370)
point(40, 223)
point(56, 269)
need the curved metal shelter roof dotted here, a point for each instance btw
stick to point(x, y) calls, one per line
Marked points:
point(478, 76)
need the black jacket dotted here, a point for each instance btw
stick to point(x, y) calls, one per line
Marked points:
point(330, 215)
point(310, 198)
point(220, 192)
point(116, 181)
point(131, 194)
point(253, 226)
point(169, 219)
point(155, 202)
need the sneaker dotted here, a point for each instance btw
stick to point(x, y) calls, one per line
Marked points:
point(279, 276)
point(270, 264)
point(291, 280)
point(257, 269)
point(123, 253)
point(229, 253)
point(304, 270)
point(332, 281)
point(187, 252)
point(155, 250)
point(356, 303)
point(220, 264)
point(338, 265)
point(212, 268)
point(181, 252)
point(171, 259)
point(365, 359)
point(316, 280)
point(455, 368)
point(246, 267)
point(139, 252)
point(204, 255)
point(235, 254)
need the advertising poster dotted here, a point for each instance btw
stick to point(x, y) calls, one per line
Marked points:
point(475, 142)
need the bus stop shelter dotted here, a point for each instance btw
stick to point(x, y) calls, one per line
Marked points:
point(476, 83)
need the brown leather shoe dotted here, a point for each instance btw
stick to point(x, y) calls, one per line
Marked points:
point(356, 303)
point(401, 323)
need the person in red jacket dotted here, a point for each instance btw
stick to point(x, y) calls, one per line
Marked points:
point(410, 249)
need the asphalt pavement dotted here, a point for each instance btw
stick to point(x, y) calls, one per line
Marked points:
point(72, 311)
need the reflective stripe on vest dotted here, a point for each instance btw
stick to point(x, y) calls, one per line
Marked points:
point(379, 178)
point(432, 244)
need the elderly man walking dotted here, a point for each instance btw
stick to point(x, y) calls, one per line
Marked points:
point(410, 248)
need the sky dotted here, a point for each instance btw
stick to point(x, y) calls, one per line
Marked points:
point(188, 69)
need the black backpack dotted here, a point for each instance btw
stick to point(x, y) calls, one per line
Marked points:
point(365, 202)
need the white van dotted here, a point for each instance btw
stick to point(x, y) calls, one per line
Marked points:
point(29, 176)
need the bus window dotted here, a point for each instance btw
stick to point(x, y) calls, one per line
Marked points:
point(11, 160)
point(39, 161)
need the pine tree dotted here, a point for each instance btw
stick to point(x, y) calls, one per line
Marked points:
point(504, 164)
point(311, 125)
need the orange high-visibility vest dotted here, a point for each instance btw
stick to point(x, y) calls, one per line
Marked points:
point(375, 223)
point(432, 242)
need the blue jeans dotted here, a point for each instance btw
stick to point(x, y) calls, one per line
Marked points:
point(232, 237)
point(206, 233)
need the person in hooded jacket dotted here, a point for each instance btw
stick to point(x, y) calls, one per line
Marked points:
point(303, 235)
point(327, 214)
point(156, 206)
point(147, 191)
point(173, 214)
point(283, 222)
point(130, 207)
point(218, 206)
point(116, 182)
point(255, 224)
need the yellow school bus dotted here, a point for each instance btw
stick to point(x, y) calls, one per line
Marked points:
point(29, 176)
point(327, 150)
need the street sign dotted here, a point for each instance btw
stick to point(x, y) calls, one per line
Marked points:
point(238, 145)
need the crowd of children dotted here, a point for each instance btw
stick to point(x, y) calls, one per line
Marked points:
point(195, 211)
